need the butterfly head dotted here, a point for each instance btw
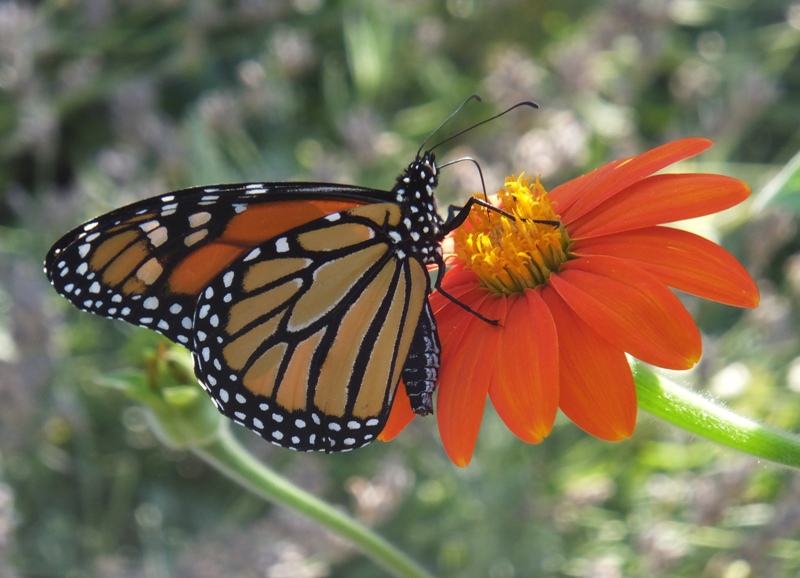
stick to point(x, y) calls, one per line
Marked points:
point(415, 186)
point(414, 192)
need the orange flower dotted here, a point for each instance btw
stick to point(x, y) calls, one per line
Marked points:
point(573, 300)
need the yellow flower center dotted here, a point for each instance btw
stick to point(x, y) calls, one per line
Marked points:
point(510, 255)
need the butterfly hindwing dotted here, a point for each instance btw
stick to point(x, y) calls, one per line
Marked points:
point(304, 339)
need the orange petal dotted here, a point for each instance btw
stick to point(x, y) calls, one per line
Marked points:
point(597, 390)
point(680, 259)
point(457, 282)
point(468, 355)
point(459, 275)
point(660, 199)
point(524, 386)
point(400, 415)
point(631, 309)
point(578, 196)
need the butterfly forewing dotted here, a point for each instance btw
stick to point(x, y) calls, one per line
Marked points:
point(147, 262)
point(303, 341)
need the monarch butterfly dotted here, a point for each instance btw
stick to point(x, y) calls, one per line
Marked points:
point(303, 304)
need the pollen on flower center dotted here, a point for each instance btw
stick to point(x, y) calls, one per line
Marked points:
point(510, 255)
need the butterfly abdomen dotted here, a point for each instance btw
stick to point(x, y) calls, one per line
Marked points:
point(421, 370)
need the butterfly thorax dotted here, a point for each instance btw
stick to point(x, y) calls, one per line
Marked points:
point(414, 193)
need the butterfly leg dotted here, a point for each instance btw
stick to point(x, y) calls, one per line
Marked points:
point(457, 215)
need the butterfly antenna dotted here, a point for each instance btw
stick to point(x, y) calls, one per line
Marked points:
point(445, 121)
point(476, 125)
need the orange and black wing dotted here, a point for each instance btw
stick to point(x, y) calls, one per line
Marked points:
point(148, 262)
point(304, 338)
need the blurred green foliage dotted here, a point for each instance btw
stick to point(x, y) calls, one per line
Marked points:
point(103, 102)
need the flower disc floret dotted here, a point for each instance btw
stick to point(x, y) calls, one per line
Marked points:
point(509, 255)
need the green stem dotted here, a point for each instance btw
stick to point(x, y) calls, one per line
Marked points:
point(691, 411)
point(231, 459)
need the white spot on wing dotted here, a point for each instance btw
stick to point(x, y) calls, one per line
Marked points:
point(167, 210)
point(158, 236)
point(199, 219)
point(252, 254)
point(195, 237)
point(148, 226)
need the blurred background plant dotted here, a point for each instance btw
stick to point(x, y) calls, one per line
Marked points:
point(103, 102)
